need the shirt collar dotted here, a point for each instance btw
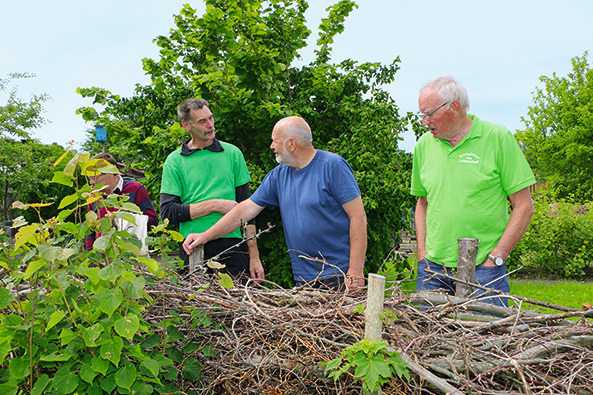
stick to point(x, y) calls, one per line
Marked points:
point(214, 147)
point(120, 185)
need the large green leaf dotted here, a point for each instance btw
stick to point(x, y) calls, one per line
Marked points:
point(66, 201)
point(5, 298)
point(67, 335)
point(40, 385)
point(108, 383)
point(19, 367)
point(111, 272)
point(127, 326)
point(92, 273)
point(225, 280)
point(126, 377)
point(112, 351)
point(152, 366)
point(192, 370)
point(64, 179)
point(91, 334)
point(371, 369)
point(56, 356)
point(65, 381)
point(26, 234)
point(54, 319)
point(102, 243)
point(4, 348)
point(110, 300)
point(101, 365)
point(48, 253)
point(9, 388)
point(135, 288)
point(87, 373)
point(33, 267)
point(153, 266)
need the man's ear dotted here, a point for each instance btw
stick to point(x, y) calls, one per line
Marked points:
point(185, 125)
point(291, 144)
point(456, 106)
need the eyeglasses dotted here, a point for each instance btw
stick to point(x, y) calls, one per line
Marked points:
point(430, 114)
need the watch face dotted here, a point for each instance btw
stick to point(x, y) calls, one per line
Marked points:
point(498, 261)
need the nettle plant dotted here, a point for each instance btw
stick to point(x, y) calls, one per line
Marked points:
point(71, 319)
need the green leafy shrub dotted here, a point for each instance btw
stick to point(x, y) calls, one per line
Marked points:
point(559, 239)
point(72, 320)
point(374, 364)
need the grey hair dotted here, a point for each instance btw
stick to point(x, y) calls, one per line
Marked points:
point(183, 110)
point(449, 89)
point(299, 133)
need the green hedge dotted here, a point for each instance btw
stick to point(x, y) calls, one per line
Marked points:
point(558, 239)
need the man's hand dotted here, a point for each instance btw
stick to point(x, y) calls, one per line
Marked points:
point(354, 281)
point(193, 240)
point(256, 269)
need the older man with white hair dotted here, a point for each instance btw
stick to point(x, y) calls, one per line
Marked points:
point(464, 169)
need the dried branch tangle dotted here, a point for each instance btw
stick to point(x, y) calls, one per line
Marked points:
point(270, 340)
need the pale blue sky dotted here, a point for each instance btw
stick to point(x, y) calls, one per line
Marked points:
point(497, 49)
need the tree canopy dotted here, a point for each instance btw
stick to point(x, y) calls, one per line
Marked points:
point(558, 139)
point(25, 163)
point(18, 118)
point(241, 56)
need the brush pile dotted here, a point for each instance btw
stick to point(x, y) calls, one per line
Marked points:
point(267, 340)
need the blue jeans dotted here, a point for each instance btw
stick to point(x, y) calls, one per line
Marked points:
point(485, 276)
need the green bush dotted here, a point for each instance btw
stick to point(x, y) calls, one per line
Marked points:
point(558, 239)
point(72, 320)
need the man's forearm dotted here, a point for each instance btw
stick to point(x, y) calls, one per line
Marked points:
point(242, 213)
point(518, 222)
point(252, 244)
point(201, 209)
point(420, 224)
point(358, 245)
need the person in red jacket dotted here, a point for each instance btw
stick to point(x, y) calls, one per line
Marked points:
point(116, 184)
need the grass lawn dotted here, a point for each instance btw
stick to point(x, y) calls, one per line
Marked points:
point(569, 293)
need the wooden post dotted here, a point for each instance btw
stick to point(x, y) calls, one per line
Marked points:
point(373, 329)
point(466, 266)
point(196, 259)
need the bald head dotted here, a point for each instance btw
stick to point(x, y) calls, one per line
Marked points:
point(295, 127)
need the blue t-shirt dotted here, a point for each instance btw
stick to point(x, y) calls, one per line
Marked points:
point(315, 223)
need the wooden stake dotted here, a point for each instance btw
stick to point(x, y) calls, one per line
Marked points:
point(373, 329)
point(196, 258)
point(466, 266)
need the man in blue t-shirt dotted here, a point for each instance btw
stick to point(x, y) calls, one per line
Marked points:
point(321, 207)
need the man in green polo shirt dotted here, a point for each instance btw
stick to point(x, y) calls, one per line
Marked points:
point(464, 170)
point(202, 181)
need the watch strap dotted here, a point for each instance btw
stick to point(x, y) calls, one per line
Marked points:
point(495, 258)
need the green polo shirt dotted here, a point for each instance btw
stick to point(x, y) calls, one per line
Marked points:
point(204, 175)
point(466, 187)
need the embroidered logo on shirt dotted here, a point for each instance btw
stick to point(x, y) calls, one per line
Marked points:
point(469, 157)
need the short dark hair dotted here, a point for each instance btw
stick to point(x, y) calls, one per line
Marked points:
point(183, 110)
point(106, 156)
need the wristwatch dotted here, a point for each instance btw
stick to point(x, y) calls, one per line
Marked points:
point(498, 261)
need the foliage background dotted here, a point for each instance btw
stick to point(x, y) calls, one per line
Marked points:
point(558, 138)
point(241, 57)
point(25, 164)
